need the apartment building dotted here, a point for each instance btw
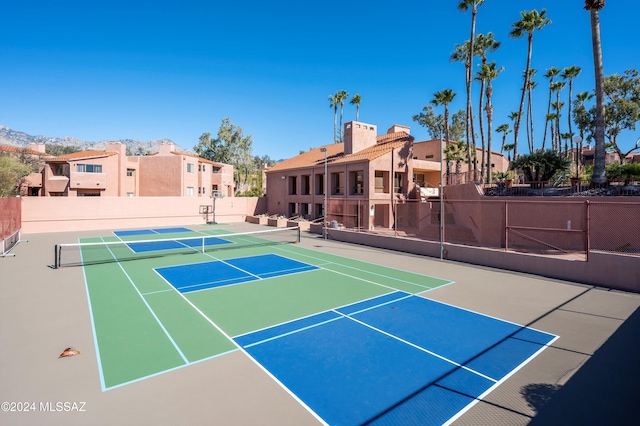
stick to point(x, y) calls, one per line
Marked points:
point(363, 176)
point(111, 173)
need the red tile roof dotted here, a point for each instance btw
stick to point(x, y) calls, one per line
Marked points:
point(84, 154)
point(335, 153)
point(19, 149)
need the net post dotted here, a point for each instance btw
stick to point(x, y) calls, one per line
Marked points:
point(298, 236)
point(56, 259)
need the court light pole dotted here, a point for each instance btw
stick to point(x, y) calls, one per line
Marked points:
point(441, 205)
point(324, 208)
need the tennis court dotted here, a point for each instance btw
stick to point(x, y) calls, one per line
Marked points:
point(352, 341)
point(256, 332)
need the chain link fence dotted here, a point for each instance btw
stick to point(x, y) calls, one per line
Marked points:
point(552, 227)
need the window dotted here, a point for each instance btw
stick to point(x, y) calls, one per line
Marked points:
point(130, 172)
point(319, 184)
point(398, 179)
point(189, 191)
point(215, 169)
point(204, 168)
point(293, 185)
point(381, 181)
point(337, 183)
point(419, 179)
point(89, 168)
point(306, 185)
point(190, 168)
point(357, 182)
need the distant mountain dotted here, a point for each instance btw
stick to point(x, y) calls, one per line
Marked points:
point(21, 139)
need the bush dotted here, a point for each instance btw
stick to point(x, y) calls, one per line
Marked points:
point(540, 166)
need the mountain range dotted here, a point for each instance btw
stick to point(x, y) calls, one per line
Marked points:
point(22, 139)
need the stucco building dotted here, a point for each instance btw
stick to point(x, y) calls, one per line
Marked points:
point(363, 176)
point(111, 173)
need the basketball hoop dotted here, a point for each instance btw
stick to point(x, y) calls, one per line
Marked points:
point(215, 194)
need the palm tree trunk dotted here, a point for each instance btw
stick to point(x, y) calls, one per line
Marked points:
point(470, 135)
point(480, 122)
point(546, 123)
point(516, 129)
point(599, 173)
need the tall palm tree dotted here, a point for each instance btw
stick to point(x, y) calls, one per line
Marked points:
point(599, 174)
point(342, 96)
point(529, 119)
point(483, 45)
point(557, 106)
point(489, 73)
point(569, 74)
point(551, 118)
point(504, 129)
point(550, 74)
point(580, 110)
point(444, 98)
point(530, 21)
point(334, 101)
point(463, 6)
point(355, 100)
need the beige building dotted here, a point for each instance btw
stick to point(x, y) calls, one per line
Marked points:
point(364, 174)
point(111, 173)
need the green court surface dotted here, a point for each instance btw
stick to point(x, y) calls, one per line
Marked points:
point(143, 326)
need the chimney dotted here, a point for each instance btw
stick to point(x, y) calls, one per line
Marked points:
point(36, 147)
point(166, 148)
point(358, 136)
point(397, 128)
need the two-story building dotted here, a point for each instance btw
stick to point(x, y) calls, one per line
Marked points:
point(363, 175)
point(112, 173)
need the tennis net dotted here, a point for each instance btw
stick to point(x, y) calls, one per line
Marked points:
point(88, 253)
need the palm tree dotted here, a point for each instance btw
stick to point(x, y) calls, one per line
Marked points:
point(483, 45)
point(551, 118)
point(508, 147)
point(599, 174)
point(582, 120)
point(333, 103)
point(570, 73)
point(557, 106)
point(530, 22)
point(342, 96)
point(550, 74)
point(355, 100)
point(463, 6)
point(529, 120)
point(489, 73)
point(504, 129)
point(444, 98)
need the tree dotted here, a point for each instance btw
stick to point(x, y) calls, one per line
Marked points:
point(557, 106)
point(530, 21)
point(540, 166)
point(54, 149)
point(550, 74)
point(434, 123)
point(569, 74)
point(12, 172)
point(504, 129)
point(444, 98)
point(484, 44)
point(334, 101)
point(489, 73)
point(599, 176)
point(622, 110)
point(583, 121)
point(229, 147)
point(355, 100)
point(342, 96)
point(529, 121)
point(465, 5)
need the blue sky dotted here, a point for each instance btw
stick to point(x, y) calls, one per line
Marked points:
point(113, 69)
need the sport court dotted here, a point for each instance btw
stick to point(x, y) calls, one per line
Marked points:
point(352, 341)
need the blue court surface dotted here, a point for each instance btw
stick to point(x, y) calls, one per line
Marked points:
point(195, 243)
point(396, 359)
point(202, 276)
point(150, 231)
